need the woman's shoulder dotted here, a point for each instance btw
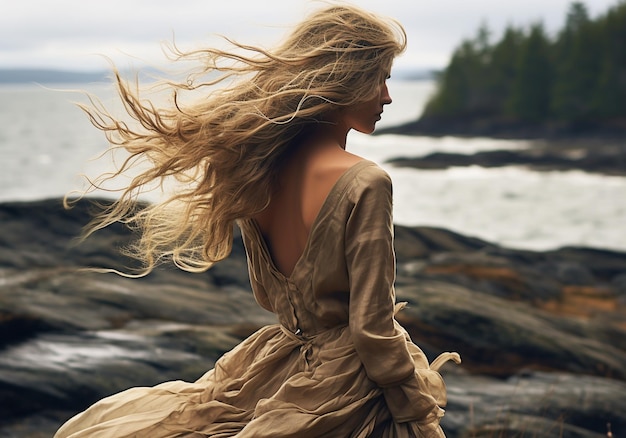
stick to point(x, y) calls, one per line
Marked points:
point(342, 162)
point(329, 178)
point(366, 176)
point(370, 172)
point(357, 177)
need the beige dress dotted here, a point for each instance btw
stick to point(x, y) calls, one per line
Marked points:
point(336, 365)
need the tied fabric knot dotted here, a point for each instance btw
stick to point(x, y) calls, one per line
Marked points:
point(305, 353)
point(440, 360)
point(399, 307)
point(443, 358)
point(306, 343)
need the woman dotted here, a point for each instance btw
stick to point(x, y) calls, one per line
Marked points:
point(269, 152)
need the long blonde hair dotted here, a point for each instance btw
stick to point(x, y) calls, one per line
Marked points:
point(224, 149)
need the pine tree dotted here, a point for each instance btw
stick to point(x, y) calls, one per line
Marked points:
point(503, 68)
point(453, 90)
point(579, 61)
point(609, 95)
point(464, 86)
point(530, 97)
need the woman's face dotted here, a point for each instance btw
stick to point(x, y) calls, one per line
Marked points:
point(363, 117)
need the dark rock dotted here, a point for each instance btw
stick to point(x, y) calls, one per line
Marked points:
point(567, 272)
point(420, 242)
point(500, 337)
point(477, 126)
point(542, 334)
point(603, 264)
point(619, 281)
point(591, 161)
point(535, 404)
point(601, 150)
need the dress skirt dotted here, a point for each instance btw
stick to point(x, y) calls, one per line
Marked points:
point(274, 384)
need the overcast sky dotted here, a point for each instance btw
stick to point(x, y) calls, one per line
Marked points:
point(67, 34)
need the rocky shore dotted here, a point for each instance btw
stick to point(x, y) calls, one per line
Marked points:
point(590, 150)
point(542, 334)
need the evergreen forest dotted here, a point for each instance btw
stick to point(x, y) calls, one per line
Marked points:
point(573, 80)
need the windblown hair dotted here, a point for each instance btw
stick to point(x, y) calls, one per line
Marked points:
point(224, 150)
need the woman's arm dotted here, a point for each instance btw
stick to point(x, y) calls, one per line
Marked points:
point(378, 339)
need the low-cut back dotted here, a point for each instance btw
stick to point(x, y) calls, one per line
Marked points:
point(303, 189)
point(337, 364)
point(327, 203)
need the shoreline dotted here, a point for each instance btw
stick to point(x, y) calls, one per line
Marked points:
point(42, 208)
point(466, 127)
point(523, 321)
point(600, 151)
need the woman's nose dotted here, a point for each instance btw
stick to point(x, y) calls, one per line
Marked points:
point(385, 98)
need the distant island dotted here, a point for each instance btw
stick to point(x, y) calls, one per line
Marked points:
point(530, 85)
point(50, 76)
point(53, 76)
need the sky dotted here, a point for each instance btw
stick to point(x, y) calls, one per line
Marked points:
point(70, 34)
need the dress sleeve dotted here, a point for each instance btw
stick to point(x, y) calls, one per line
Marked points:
point(379, 340)
point(258, 290)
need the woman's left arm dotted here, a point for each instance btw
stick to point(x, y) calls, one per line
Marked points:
point(378, 339)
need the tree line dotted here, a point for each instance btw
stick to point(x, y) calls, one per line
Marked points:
point(576, 78)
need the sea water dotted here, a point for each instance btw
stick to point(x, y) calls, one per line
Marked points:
point(46, 142)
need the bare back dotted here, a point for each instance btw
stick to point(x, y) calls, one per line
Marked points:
point(304, 185)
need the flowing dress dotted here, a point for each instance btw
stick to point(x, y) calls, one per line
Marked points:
point(336, 365)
